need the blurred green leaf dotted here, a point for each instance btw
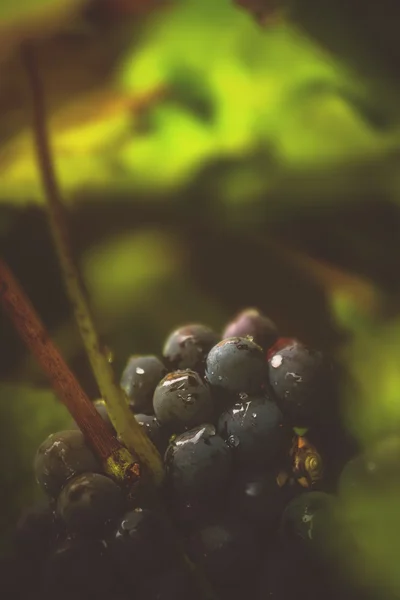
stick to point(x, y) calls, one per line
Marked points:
point(369, 499)
point(27, 417)
point(233, 89)
point(372, 358)
point(122, 272)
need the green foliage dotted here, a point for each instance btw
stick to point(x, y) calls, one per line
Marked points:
point(232, 90)
point(374, 357)
point(371, 357)
point(369, 516)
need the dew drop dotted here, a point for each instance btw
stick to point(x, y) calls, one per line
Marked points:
point(276, 361)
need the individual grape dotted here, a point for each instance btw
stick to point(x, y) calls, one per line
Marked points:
point(280, 343)
point(62, 456)
point(236, 365)
point(304, 383)
point(259, 498)
point(157, 434)
point(139, 380)
point(79, 569)
point(143, 544)
point(308, 519)
point(89, 502)
point(171, 584)
point(255, 430)
point(188, 346)
point(252, 323)
point(227, 551)
point(182, 401)
point(198, 469)
point(37, 531)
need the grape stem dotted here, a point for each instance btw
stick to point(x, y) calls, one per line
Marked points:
point(123, 420)
point(117, 461)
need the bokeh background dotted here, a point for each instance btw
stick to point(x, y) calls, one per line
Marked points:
point(212, 156)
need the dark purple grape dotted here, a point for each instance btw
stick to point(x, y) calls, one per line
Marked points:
point(188, 346)
point(143, 545)
point(157, 434)
point(62, 456)
point(182, 401)
point(280, 343)
point(226, 551)
point(171, 584)
point(259, 498)
point(139, 380)
point(254, 429)
point(37, 531)
point(79, 569)
point(89, 503)
point(198, 469)
point(236, 365)
point(308, 519)
point(305, 384)
point(252, 323)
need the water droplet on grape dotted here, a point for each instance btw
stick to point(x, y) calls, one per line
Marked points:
point(276, 361)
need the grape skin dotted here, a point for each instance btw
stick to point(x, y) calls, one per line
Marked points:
point(188, 346)
point(142, 545)
point(89, 502)
point(304, 383)
point(198, 467)
point(236, 365)
point(62, 456)
point(252, 323)
point(255, 430)
point(139, 380)
point(182, 401)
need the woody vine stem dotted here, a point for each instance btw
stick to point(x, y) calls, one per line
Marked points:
point(116, 459)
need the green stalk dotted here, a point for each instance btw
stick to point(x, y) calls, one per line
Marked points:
point(123, 420)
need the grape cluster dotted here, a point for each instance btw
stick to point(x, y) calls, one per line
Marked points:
point(249, 427)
